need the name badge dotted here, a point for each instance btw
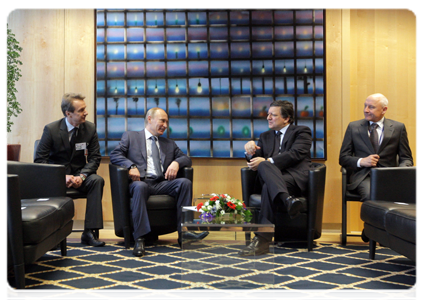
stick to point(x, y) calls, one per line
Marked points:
point(80, 146)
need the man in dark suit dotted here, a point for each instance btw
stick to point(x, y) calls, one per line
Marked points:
point(359, 153)
point(282, 160)
point(73, 142)
point(153, 163)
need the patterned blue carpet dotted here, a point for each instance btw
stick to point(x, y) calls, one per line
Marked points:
point(165, 266)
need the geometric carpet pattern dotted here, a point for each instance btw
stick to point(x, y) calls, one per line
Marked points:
point(165, 266)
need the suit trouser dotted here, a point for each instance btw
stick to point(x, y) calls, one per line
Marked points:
point(179, 188)
point(363, 189)
point(275, 183)
point(93, 186)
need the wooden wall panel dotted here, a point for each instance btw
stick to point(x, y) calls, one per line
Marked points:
point(40, 34)
point(367, 51)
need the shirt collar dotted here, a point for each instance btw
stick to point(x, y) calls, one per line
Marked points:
point(283, 130)
point(147, 134)
point(69, 125)
point(380, 122)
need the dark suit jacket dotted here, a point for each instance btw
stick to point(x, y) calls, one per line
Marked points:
point(54, 148)
point(357, 145)
point(295, 156)
point(132, 150)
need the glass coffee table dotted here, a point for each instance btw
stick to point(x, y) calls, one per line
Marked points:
point(214, 260)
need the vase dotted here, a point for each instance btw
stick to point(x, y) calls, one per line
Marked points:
point(13, 152)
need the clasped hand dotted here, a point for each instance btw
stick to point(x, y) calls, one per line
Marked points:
point(73, 181)
point(170, 174)
point(251, 149)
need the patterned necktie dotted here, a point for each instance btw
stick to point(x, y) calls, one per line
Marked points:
point(374, 139)
point(277, 146)
point(73, 138)
point(156, 157)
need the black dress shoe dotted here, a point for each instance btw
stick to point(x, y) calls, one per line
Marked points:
point(89, 238)
point(192, 236)
point(139, 248)
point(257, 246)
point(293, 206)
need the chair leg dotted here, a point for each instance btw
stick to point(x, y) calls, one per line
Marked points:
point(372, 249)
point(247, 238)
point(19, 276)
point(310, 240)
point(127, 237)
point(344, 223)
point(63, 247)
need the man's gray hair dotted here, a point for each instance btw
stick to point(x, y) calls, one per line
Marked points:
point(67, 101)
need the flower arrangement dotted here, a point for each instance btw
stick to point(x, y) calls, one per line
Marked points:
point(222, 204)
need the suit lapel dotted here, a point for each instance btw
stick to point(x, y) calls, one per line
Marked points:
point(65, 136)
point(143, 145)
point(363, 132)
point(286, 137)
point(388, 131)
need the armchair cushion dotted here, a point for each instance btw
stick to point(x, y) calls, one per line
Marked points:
point(63, 206)
point(402, 223)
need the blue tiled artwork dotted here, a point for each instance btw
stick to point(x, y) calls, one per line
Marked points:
point(214, 71)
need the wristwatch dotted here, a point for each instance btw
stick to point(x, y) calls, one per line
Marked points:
point(83, 177)
point(132, 167)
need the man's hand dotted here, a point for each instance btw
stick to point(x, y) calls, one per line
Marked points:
point(77, 181)
point(69, 180)
point(369, 161)
point(251, 147)
point(134, 174)
point(254, 163)
point(172, 171)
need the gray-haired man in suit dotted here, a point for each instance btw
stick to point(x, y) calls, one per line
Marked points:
point(136, 152)
point(358, 152)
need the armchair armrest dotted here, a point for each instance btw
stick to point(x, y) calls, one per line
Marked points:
point(14, 230)
point(248, 178)
point(186, 172)
point(120, 197)
point(39, 180)
point(396, 184)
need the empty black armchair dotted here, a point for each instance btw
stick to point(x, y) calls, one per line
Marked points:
point(39, 214)
point(307, 226)
point(390, 214)
point(161, 208)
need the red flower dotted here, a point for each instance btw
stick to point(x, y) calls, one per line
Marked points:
point(214, 198)
point(222, 196)
point(199, 205)
point(243, 204)
point(231, 205)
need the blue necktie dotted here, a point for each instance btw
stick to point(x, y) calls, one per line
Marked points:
point(156, 157)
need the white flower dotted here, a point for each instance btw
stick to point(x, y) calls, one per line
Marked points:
point(228, 197)
point(206, 203)
point(222, 212)
point(218, 205)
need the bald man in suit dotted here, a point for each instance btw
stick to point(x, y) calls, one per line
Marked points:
point(360, 155)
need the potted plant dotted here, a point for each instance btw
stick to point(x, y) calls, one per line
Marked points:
point(13, 75)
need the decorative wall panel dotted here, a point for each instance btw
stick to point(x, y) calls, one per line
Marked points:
point(214, 72)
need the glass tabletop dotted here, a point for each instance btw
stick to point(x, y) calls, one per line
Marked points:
point(193, 220)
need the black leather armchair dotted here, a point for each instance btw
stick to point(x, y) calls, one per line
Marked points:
point(39, 215)
point(72, 193)
point(161, 208)
point(390, 216)
point(307, 226)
